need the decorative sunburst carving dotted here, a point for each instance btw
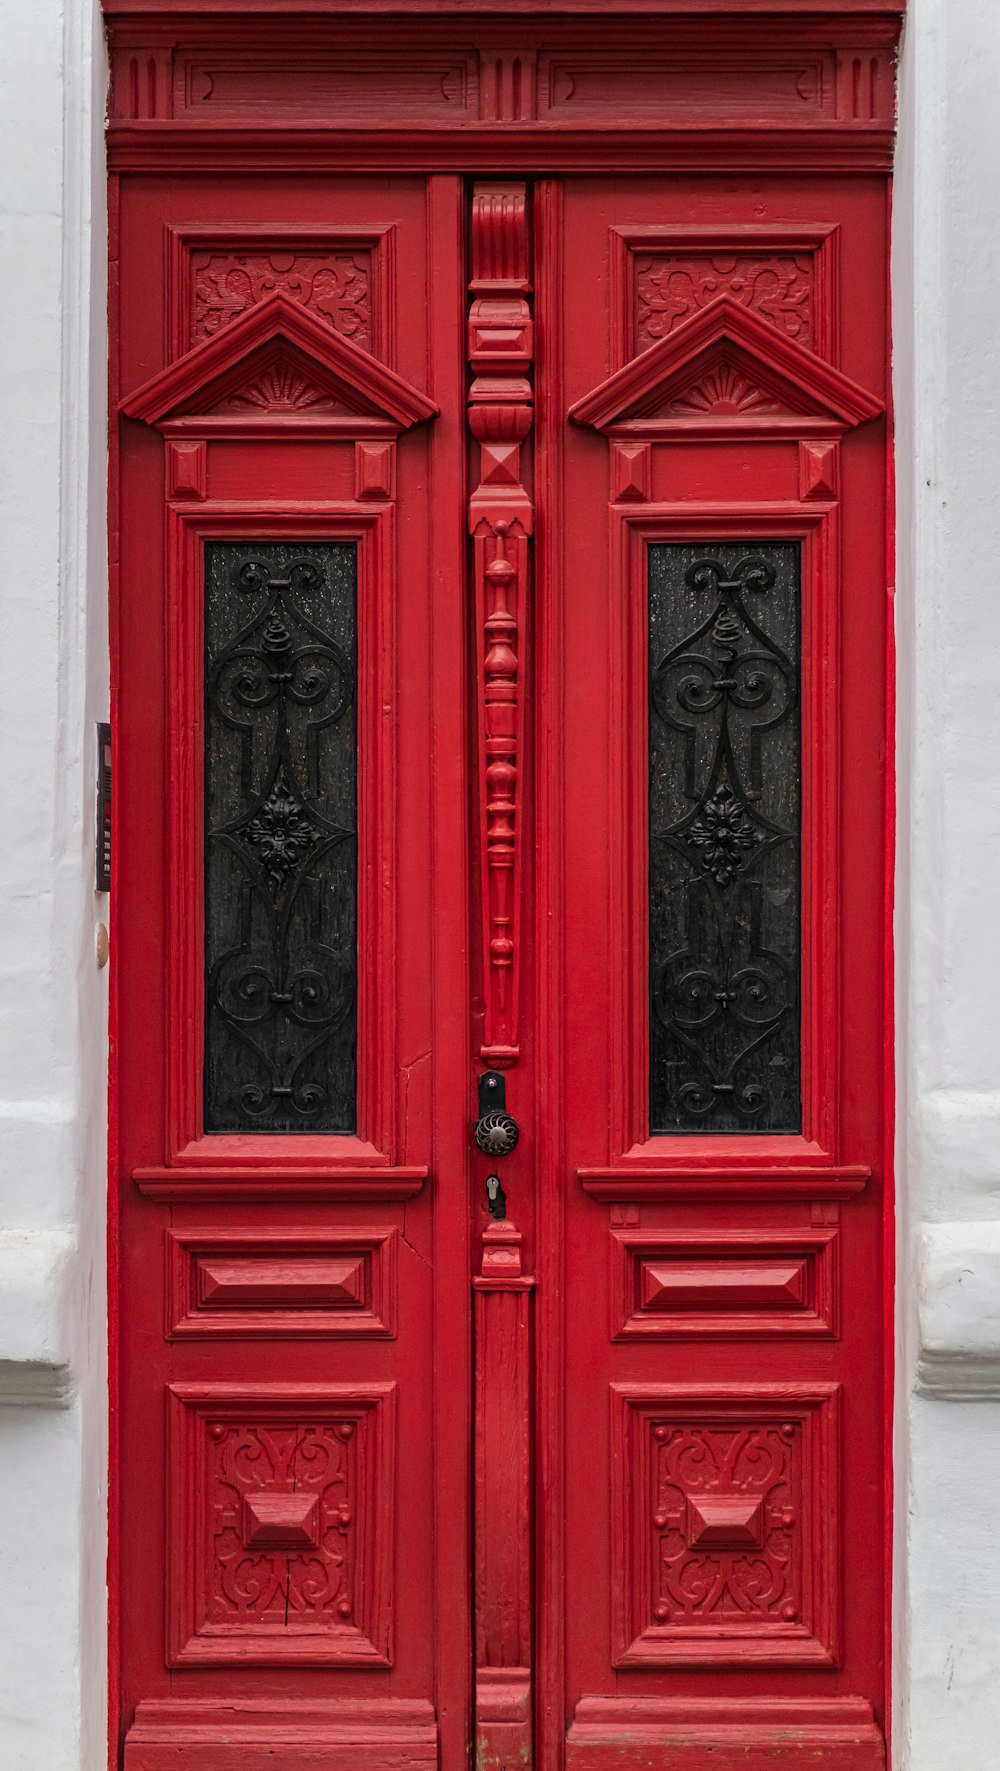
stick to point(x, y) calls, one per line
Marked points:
point(282, 388)
point(724, 392)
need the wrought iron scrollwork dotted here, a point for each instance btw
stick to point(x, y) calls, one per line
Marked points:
point(280, 848)
point(725, 771)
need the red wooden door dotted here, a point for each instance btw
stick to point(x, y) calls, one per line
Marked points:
point(500, 736)
point(291, 871)
point(711, 1207)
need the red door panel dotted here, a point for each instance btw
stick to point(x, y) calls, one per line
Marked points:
point(290, 1500)
point(722, 1561)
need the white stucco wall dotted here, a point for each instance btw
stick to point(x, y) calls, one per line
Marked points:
point(53, 1000)
point(947, 268)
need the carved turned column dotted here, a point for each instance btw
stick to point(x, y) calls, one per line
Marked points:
point(500, 522)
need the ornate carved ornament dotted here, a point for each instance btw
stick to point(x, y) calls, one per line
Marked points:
point(277, 366)
point(500, 523)
point(726, 372)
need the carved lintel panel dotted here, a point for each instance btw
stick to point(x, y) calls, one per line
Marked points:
point(727, 1525)
point(669, 286)
point(503, 1608)
point(500, 522)
point(280, 848)
point(335, 286)
point(724, 850)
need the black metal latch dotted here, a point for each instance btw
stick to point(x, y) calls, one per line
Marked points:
point(496, 1134)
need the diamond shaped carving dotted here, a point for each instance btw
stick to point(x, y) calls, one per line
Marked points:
point(726, 1529)
point(725, 1522)
point(279, 1523)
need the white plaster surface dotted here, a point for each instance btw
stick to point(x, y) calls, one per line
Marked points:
point(947, 384)
point(53, 1000)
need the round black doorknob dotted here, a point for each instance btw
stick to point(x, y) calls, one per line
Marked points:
point(496, 1134)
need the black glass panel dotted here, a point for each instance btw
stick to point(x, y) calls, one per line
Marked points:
point(280, 845)
point(724, 824)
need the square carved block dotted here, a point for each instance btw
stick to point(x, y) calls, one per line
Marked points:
point(726, 1527)
point(271, 1284)
point(724, 1283)
point(280, 1512)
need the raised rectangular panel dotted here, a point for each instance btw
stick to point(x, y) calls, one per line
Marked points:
point(724, 1283)
point(279, 1526)
point(644, 83)
point(725, 1539)
point(213, 1734)
point(730, 1733)
point(406, 83)
point(266, 1284)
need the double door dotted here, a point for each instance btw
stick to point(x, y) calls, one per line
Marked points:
point(500, 880)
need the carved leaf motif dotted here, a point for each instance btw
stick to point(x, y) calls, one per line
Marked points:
point(670, 287)
point(281, 1584)
point(702, 1473)
point(335, 286)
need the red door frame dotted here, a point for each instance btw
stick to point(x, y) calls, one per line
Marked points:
point(156, 129)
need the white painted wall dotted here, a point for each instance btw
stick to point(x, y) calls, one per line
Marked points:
point(947, 369)
point(52, 1025)
point(53, 1000)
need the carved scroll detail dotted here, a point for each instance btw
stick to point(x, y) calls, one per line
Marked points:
point(500, 522)
point(503, 1503)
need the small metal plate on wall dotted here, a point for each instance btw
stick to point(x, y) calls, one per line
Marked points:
point(102, 881)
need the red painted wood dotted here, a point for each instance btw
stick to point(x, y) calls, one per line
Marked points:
point(295, 1312)
point(718, 477)
point(501, 520)
point(726, 1292)
point(504, 1609)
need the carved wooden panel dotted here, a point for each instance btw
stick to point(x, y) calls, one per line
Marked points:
point(724, 812)
point(724, 1283)
point(269, 1284)
point(280, 851)
point(279, 1525)
point(334, 286)
point(727, 1525)
point(669, 286)
point(343, 279)
point(787, 275)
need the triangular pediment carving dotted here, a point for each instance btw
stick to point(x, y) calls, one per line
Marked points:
point(727, 372)
point(277, 365)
